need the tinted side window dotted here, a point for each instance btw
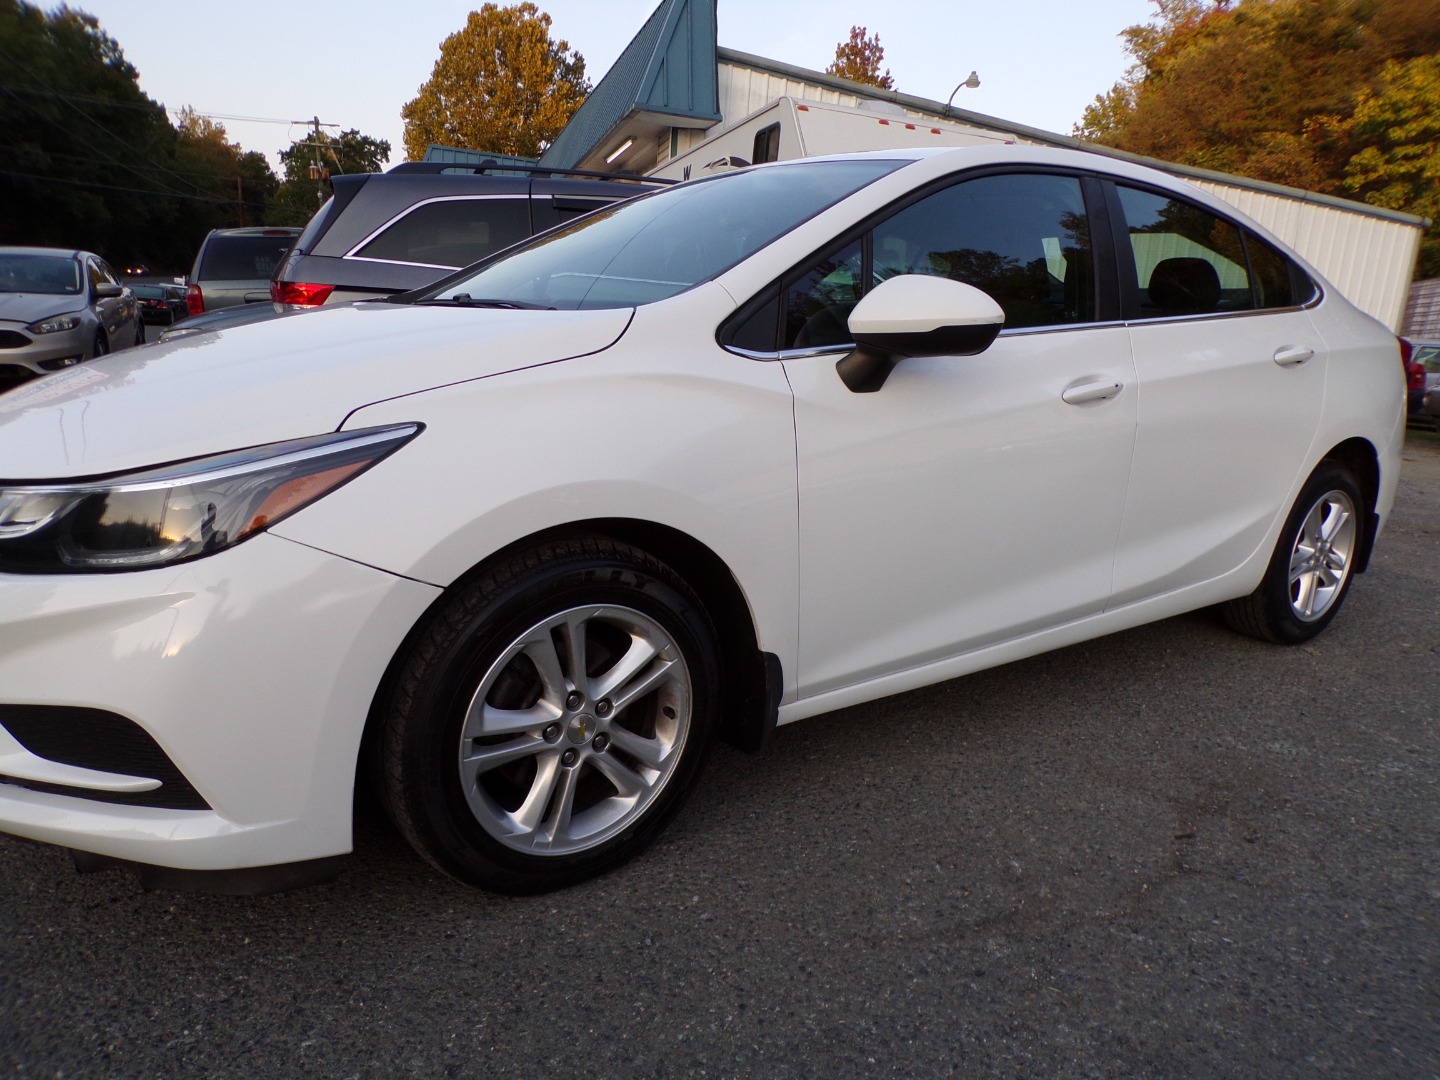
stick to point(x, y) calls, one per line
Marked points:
point(452, 232)
point(1188, 261)
point(1279, 282)
point(1023, 239)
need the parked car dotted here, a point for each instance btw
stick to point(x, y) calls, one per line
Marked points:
point(233, 267)
point(59, 307)
point(210, 322)
point(160, 303)
point(734, 453)
point(391, 232)
point(1426, 356)
point(1414, 377)
point(381, 233)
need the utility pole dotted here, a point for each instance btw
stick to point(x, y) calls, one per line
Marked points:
point(317, 171)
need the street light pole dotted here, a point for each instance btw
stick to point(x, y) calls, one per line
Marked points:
point(972, 82)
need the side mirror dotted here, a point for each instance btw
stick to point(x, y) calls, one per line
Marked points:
point(107, 291)
point(916, 315)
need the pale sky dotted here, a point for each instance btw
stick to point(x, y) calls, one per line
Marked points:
point(354, 64)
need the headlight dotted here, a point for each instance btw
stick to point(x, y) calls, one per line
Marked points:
point(180, 511)
point(54, 325)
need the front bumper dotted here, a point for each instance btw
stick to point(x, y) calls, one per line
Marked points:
point(45, 352)
point(253, 672)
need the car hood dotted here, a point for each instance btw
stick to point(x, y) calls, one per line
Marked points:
point(270, 381)
point(28, 307)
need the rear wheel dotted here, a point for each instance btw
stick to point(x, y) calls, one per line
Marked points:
point(551, 718)
point(1310, 572)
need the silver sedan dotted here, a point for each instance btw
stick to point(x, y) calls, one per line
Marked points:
point(59, 307)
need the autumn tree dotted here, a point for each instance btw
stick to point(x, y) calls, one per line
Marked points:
point(859, 60)
point(502, 84)
point(1330, 95)
point(310, 161)
point(1396, 127)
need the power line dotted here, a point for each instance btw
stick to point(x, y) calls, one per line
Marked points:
point(117, 187)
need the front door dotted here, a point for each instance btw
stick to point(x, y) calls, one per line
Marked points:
point(971, 500)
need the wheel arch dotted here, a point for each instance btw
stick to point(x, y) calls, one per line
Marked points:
point(1360, 457)
point(751, 679)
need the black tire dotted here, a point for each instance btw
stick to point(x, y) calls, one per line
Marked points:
point(139, 331)
point(1311, 570)
point(549, 806)
point(102, 344)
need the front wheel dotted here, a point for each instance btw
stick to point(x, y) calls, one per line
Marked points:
point(1310, 572)
point(551, 717)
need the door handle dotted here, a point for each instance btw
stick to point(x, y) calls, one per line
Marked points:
point(1098, 391)
point(1292, 355)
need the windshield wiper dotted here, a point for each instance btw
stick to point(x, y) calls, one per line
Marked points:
point(466, 300)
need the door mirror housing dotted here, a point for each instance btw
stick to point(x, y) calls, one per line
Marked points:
point(107, 291)
point(916, 315)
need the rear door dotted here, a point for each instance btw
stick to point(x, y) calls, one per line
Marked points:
point(1232, 379)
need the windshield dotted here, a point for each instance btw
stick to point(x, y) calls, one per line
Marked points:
point(55, 274)
point(658, 245)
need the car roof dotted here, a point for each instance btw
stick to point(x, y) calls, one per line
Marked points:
point(72, 253)
point(258, 230)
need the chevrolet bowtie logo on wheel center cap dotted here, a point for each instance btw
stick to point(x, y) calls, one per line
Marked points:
point(581, 728)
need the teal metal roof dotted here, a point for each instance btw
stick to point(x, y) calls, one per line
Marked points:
point(669, 68)
point(458, 156)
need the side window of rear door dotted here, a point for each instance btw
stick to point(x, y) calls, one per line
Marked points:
point(450, 233)
point(1189, 261)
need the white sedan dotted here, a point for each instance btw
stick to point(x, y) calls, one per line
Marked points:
point(729, 455)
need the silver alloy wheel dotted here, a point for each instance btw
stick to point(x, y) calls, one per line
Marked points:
point(575, 729)
point(1321, 558)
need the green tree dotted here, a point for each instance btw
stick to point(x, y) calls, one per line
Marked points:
point(241, 182)
point(309, 162)
point(502, 84)
point(79, 142)
point(88, 160)
point(859, 60)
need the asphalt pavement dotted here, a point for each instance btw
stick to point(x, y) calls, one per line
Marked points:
point(1173, 852)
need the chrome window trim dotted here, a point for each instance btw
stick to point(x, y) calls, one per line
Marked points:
point(399, 262)
point(1209, 316)
point(821, 350)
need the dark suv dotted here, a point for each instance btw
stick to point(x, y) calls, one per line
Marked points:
point(384, 233)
